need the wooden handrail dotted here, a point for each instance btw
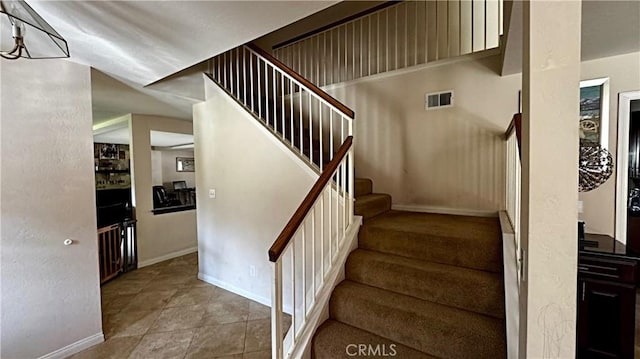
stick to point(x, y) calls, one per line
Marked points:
point(515, 125)
point(315, 89)
point(337, 23)
point(301, 213)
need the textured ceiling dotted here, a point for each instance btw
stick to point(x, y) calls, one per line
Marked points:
point(141, 42)
point(144, 41)
point(609, 28)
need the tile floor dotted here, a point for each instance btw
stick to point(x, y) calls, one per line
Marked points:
point(163, 311)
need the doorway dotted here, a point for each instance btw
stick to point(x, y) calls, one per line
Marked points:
point(628, 170)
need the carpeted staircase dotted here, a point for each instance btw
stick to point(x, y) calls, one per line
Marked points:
point(418, 286)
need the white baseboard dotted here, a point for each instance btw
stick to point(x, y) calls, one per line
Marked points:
point(232, 288)
point(165, 257)
point(444, 210)
point(76, 347)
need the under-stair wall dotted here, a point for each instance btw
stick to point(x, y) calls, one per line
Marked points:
point(258, 182)
point(405, 34)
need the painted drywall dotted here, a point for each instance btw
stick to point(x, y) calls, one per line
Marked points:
point(623, 72)
point(550, 141)
point(156, 168)
point(50, 292)
point(451, 158)
point(166, 235)
point(163, 169)
point(258, 183)
point(169, 173)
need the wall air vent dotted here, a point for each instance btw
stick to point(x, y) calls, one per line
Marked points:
point(438, 100)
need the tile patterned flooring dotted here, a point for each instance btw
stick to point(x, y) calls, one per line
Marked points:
point(163, 311)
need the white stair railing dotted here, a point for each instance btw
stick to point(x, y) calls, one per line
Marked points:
point(313, 245)
point(311, 122)
point(513, 186)
point(310, 246)
point(407, 33)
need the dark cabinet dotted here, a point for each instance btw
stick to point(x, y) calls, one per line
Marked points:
point(606, 307)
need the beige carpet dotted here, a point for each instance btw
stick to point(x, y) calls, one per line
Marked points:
point(419, 286)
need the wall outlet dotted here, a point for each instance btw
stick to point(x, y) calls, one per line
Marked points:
point(252, 271)
point(580, 206)
point(212, 193)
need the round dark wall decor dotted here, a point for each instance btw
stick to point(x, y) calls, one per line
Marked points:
point(596, 166)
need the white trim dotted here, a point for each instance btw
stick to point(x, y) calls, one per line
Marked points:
point(332, 278)
point(604, 110)
point(165, 257)
point(622, 173)
point(511, 286)
point(444, 210)
point(232, 288)
point(76, 347)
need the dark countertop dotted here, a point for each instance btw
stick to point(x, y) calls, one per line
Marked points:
point(605, 245)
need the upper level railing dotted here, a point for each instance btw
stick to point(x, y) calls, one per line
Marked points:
point(513, 137)
point(307, 119)
point(405, 34)
point(310, 243)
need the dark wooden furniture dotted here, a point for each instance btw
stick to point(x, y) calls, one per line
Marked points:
point(607, 277)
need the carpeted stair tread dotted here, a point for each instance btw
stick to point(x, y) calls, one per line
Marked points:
point(471, 242)
point(373, 204)
point(335, 340)
point(463, 288)
point(363, 186)
point(425, 326)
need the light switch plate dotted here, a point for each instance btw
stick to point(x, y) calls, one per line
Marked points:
point(212, 193)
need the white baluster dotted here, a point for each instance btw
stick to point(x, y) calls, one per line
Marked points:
point(244, 74)
point(259, 87)
point(300, 122)
point(251, 80)
point(313, 252)
point(304, 272)
point(310, 129)
point(321, 137)
point(276, 311)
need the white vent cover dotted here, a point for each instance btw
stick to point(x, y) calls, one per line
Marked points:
point(437, 100)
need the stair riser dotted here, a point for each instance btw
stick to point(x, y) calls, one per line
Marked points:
point(363, 187)
point(373, 208)
point(421, 326)
point(433, 284)
point(453, 251)
point(336, 340)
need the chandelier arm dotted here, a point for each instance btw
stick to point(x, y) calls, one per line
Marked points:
point(15, 48)
point(9, 57)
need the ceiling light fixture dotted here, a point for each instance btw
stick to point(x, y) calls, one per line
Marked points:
point(44, 41)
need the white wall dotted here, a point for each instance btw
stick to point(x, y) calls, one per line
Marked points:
point(50, 292)
point(450, 158)
point(258, 184)
point(166, 235)
point(156, 168)
point(453, 158)
point(624, 75)
point(169, 173)
point(163, 169)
